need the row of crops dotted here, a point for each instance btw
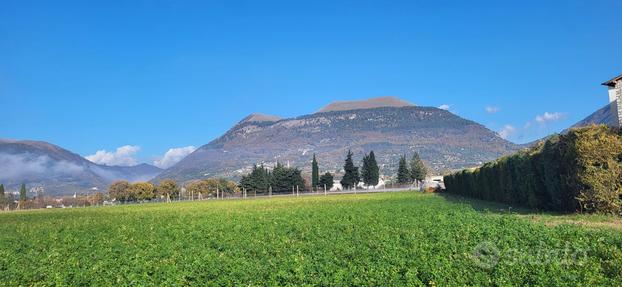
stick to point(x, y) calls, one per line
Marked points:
point(577, 171)
point(385, 239)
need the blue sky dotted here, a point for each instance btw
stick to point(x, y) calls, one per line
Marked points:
point(159, 75)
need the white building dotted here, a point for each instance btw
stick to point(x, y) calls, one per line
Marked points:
point(615, 95)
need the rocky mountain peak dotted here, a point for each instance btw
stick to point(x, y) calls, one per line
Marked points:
point(365, 104)
point(257, 117)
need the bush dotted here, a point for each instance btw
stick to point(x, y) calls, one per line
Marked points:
point(577, 171)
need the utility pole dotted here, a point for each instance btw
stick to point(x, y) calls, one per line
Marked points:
point(324, 189)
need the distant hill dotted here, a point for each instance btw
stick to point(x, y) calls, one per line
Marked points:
point(444, 140)
point(59, 171)
point(602, 116)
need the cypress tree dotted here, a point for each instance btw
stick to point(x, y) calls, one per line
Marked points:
point(258, 180)
point(365, 176)
point(370, 173)
point(326, 180)
point(403, 175)
point(2, 195)
point(22, 193)
point(283, 178)
point(418, 170)
point(374, 169)
point(315, 174)
point(279, 179)
point(351, 176)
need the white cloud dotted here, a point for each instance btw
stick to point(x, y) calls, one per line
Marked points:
point(507, 131)
point(123, 156)
point(20, 166)
point(173, 156)
point(492, 110)
point(549, 117)
point(444, 107)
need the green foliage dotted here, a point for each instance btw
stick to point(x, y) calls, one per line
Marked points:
point(315, 173)
point(123, 191)
point(3, 198)
point(418, 171)
point(142, 191)
point(119, 190)
point(203, 187)
point(577, 171)
point(168, 188)
point(326, 180)
point(403, 175)
point(596, 170)
point(210, 186)
point(286, 179)
point(351, 176)
point(370, 173)
point(257, 181)
point(23, 196)
point(228, 186)
point(281, 179)
point(389, 239)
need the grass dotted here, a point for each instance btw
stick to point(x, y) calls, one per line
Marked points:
point(370, 239)
point(592, 221)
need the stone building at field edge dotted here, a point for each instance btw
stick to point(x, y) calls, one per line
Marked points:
point(615, 96)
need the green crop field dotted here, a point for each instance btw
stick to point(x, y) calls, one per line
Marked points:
point(372, 239)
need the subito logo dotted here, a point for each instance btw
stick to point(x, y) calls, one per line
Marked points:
point(486, 255)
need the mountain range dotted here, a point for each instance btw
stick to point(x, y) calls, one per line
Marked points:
point(59, 171)
point(389, 126)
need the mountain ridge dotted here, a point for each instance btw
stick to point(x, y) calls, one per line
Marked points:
point(60, 171)
point(603, 115)
point(445, 140)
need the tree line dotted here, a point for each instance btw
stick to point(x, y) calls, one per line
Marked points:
point(8, 200)
point(5, 199)
point(21, 200)
point(285, 179)
point(416, 172)
point(280, 179)
point(578, 171)
point(169, 190)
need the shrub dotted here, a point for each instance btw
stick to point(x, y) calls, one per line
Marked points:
point(577, 171)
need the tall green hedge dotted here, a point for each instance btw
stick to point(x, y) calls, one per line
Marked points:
point(580, 171)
